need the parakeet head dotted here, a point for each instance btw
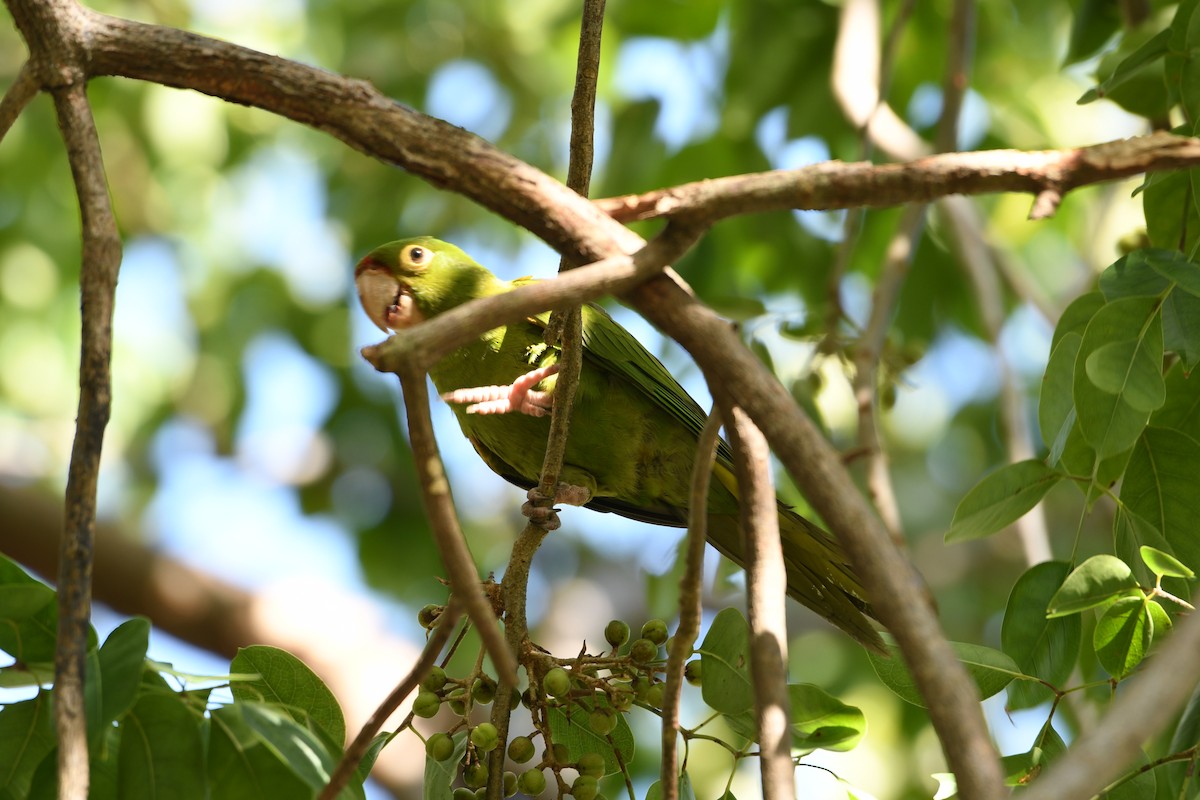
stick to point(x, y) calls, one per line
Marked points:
point(405, 282)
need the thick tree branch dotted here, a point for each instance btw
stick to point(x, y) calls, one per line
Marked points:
point(690, 595)
point(766, 588)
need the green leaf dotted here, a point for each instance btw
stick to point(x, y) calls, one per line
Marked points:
point(1161, 563)
point(820, 721)
point(1108, 422)
point(1130, 534)
point(240, 767)
point(1154, 49)
point(1138, 787)
point(990, 669)
point(1023, 768)
point(288, 682)
point(1181, 326)
point(122, 659)
point(26, 736)
point(292, 742)
point(1160, 487)
point(1187, 734)
point(1123, 636)
point(1168, 209)
point(1001, 499)
point(1076, 316)
point(1042, 648)
point(1094, 23)
point(1133, 275)
point(579, 737)
point(1092, 583)
point(161, 753)
point(1131, 370)
point(440, 775)
point(725, 661)
point(1175, 267)
point(1182, 409)
point(1056, 406)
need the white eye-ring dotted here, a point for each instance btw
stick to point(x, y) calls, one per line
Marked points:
point(416, 256)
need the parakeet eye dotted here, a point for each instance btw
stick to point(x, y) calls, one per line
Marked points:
point(416, 256)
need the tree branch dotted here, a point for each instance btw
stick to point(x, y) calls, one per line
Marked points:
point(23, 89)
point(689, 602)
point(766, 588)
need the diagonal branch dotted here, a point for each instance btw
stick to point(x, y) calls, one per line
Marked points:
point(23, 90)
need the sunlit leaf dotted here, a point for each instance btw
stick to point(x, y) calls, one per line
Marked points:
point(288, 682)
point(1162, 563)
point(1160, 487)
point(575, 732)
point(1092, 583)
point(1123, 636)
point(1001, 499)
point(725, 660)
point(441, 775)
point(1043, 648)
point(991, 670)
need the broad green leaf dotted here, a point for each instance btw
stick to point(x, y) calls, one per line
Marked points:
point(1131, 370)
point(579, 738)
point(820, 721)
point(1160, 487)
point(725, 660)
point(686, 792)
point(1108, 422)
point(1092, 583)
point(1079, 459)
point(161, 753)
point(1023, 768)
point(1181, 325)
point(1175, 267)
point(288, 682)
point(441, 775)
point(1094, 23)
point(1161, 563)
point(990, 669)
point(1123, 636)
point(1076, 316)
point(122, 660)
point(26, 736)
point(300, 749)
point(1138, 785)
point(1043, 648)
point(1130, 534)
point(240, 767)
point(1001, 499)
point(1182, 409)
point(1187, 734)
point(1056, 406)
point(1171, 218)
point(1154, 49)
point(1159, 617)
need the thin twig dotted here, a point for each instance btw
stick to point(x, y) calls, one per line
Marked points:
point(447, 534)
point(358, 748)
point(98, 283)
point(690, 595)
point(766, 588)
point(1145, 705)
point(23, 89)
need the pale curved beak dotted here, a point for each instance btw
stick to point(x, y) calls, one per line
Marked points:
point(378, 291)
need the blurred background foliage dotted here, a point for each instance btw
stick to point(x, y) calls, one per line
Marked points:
point(250, 439)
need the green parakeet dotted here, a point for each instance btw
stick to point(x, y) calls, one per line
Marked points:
point(633, 433)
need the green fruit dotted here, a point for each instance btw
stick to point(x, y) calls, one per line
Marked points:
point(481, 793)
point(428, 616)
point(514, 699)
point(602, 721)
point(532, 782)
point(585, 787)
point(621, 699)
point(426, 704)
point(527, 698)
point(692, 673)
point(557, 682)
point(484, 690)
point(457, 700)
point(616, 633)
point(655, 630)
point(520, 749)
point(561, 754)
point(462, 793)
point(510, 784)
point(435, 680)
point(656, 694)
point(439, 747)
point(591, 764)
point(485, 737)
point(475, 775)
point(643, 650)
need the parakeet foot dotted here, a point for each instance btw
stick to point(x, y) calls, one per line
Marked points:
point(547, 516)
point(518, 396)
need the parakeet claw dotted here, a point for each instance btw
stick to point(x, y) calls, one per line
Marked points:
point(518, 396)
point(547, 516)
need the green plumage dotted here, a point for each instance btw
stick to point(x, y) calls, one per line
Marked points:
point(634, 429)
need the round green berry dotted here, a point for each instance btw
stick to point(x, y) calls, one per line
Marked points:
point(643, 650)
point(457, 700)
point(585, 787)
point(426, 704)
point(475, 775)
point(591, 764)
point(510, 784)
point(532, 782)
point(692, 673)
point(527, 698)
point(621, 698)
point(655, 695)
point(439, 746)
point(514, 699)
point(428, 615)
point(616, 633)
point(485, 737)
point(655, 630)
point(484, 690)
point(434, 680)
point(520, 749)
point(557, 683)
point(463, 793)
point(602, 721)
